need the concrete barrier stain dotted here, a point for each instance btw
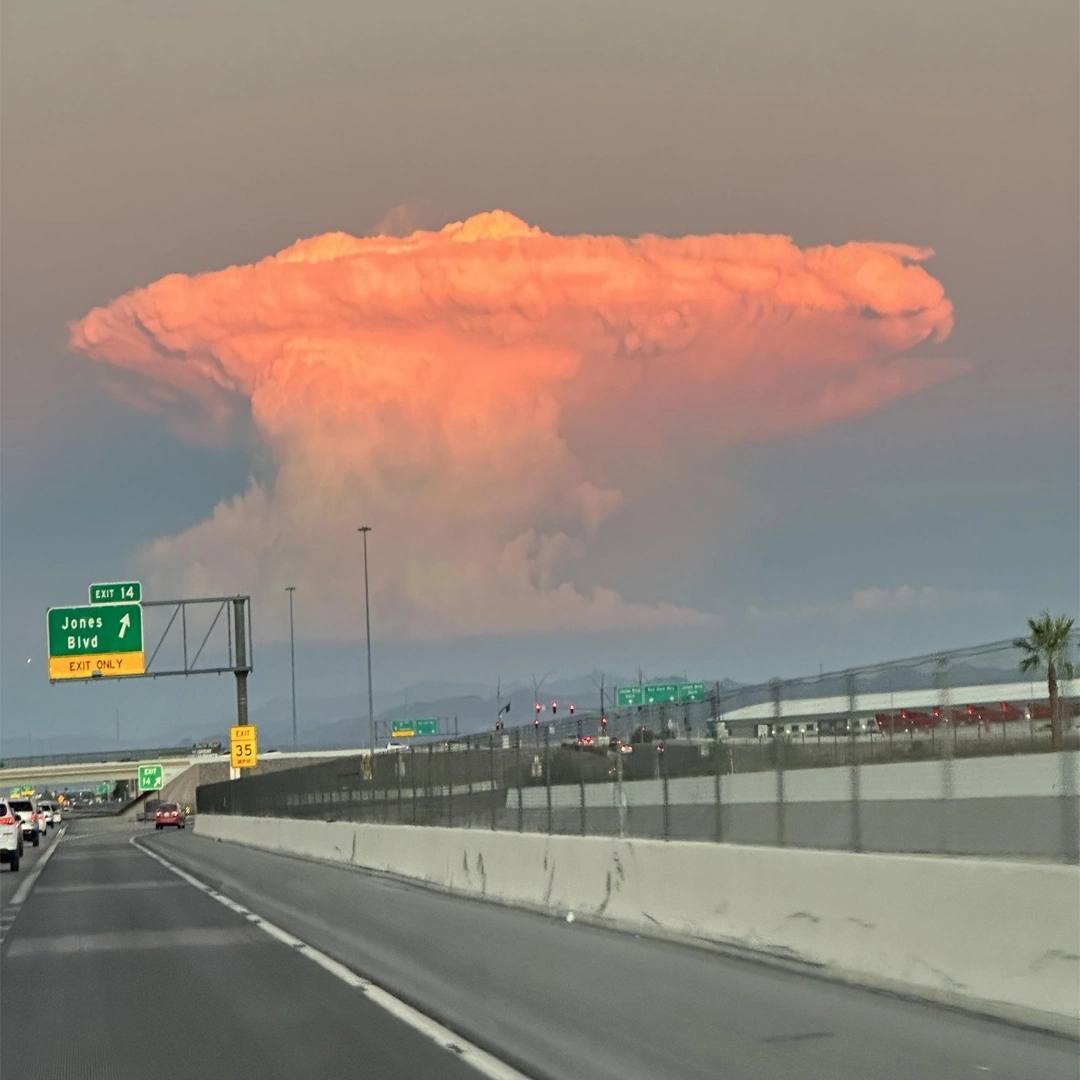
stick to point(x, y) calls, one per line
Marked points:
point(550, 882)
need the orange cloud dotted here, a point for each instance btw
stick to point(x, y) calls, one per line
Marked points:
point(438, 384)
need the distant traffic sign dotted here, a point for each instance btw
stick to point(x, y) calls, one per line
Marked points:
point(96, 640)
point(151, 776)
point(243, 746)
point(101, 788)
point(660, 694)
point(406, 729)
point(116, 592)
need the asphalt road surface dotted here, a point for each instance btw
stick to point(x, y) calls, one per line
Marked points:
point(15, 887)
point(150, 975)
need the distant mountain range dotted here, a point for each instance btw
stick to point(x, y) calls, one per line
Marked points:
point(333, 721)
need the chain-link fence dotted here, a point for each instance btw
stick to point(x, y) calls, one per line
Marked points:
point(950, 754)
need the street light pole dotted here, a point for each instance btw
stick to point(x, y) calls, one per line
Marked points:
point(364, 530)
point(290, 589)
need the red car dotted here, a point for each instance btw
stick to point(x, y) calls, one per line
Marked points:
point(169, 813)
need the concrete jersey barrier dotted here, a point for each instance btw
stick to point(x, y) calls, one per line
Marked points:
point(999, 937)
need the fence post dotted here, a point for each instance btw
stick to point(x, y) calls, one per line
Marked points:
point(1070, 837)
point(450, 788)
point(399, 768)
point(469, 762)
point(547, 774)
point(517, 770)
point(620, 795)
point(854, 775)
point(778, 743)
point(718, 824)
point(662, 751)
point(430, 785)
point(581, 779)
point(412, 776)
point(494, 790)
point(947, 778)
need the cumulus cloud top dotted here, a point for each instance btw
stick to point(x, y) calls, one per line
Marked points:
point(435, 384)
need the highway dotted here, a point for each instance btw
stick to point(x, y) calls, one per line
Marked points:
point(224, 961)
point(16, 887)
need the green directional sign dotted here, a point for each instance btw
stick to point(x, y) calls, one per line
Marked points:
point(101, 788)
point(95, 640)
point(406, 729)
point(660, 694)
point(151, 776)
point(116, 592)
point(692, 691)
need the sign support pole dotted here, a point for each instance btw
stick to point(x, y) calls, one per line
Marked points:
point(242, 668)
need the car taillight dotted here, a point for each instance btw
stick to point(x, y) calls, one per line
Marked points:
point(9, 820)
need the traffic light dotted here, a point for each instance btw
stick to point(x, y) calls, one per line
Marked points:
point(603, 723)
point(536, 717)
point(659, 747)
point(571, 710)
point(554, 707)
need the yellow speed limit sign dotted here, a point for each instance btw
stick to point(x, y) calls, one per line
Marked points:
point(243, 746)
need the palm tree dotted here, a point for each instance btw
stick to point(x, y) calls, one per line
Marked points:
point(1048, 643)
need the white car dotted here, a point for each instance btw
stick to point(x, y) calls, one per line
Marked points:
point(57, 817)
point(11, 841)
point(44, 810)
point(25, 808)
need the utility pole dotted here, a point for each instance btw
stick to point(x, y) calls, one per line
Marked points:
point(290, 589)
point(600, 686)
point(364, 530)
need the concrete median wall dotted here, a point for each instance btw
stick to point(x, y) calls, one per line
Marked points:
point(999, 937)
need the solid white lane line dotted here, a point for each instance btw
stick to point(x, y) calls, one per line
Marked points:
point(484, 1063)
point(23, 890)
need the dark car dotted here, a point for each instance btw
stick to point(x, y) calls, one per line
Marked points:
point(170, 813)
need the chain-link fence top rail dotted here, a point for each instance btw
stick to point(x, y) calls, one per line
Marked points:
point(697, 771)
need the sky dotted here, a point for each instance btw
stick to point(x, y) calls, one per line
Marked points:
point(733, 340)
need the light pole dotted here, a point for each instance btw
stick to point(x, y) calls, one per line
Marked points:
point(290, 589)
point(364, 530)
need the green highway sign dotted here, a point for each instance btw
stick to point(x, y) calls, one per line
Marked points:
point(116, 592)
point(101, 788)
point(95, 640)
point(660, 694)
point(151, 776)
point(406, 729)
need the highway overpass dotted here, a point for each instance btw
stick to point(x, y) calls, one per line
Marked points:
point(73, 772)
